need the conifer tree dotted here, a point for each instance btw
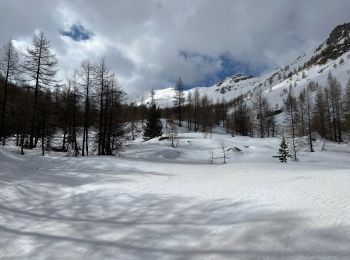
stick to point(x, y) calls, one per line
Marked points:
point(283, 152)
point(154, 126)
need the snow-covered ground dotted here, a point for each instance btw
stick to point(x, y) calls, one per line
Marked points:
point(157, 202)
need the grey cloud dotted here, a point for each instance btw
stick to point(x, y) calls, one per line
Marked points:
point(141, 39)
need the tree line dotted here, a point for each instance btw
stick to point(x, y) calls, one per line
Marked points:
point(89, 114)
point(316, 109)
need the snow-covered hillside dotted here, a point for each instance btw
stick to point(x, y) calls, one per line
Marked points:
point(157, 202)
point(332, 56)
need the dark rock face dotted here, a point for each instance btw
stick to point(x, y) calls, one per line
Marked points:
point(336, 45)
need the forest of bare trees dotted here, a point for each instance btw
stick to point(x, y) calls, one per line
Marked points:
point(35, 106)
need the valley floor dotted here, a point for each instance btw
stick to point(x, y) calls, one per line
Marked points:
point(157, 202)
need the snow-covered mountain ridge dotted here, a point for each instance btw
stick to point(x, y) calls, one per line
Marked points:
point(332, 56)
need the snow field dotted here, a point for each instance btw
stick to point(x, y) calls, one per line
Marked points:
point(157, 202)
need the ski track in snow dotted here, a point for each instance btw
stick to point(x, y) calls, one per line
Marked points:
point(157, 202)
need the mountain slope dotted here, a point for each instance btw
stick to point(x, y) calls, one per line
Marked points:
point(332, 56)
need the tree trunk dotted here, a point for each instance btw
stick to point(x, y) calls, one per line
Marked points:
point(43, 131)
point(66, 122)
point(3, 130)
point(100, 138)
point(309, 122)
point(33, 124)
point(76, 150)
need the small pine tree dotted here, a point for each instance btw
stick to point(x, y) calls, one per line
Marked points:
point(283, 152)
point(154, 126)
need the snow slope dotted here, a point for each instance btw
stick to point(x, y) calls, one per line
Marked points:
point(276, 82)
point(157, 202)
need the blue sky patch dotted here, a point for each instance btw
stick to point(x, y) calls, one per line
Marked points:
point(229, 67)
point(77, 33)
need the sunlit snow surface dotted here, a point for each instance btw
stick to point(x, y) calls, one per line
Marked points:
point(157, 202)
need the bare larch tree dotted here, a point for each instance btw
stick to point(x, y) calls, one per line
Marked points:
point(40, 66)
point(9, 68)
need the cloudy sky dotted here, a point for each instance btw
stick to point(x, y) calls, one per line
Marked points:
point(150, 43)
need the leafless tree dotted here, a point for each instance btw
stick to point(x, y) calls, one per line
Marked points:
point(308, 99)
point(40, 66)
point(9, 68)
point(335, 98)
point(291, 112)
point(102, 74)
point(347, 105)
point(173, 133)
point(224, 155)
point(260, 103)
point(196, 102)
point(85, 74)
point(179, 100)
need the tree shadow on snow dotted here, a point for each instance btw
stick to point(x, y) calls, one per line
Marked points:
point(44, 214)
point(152, 226)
